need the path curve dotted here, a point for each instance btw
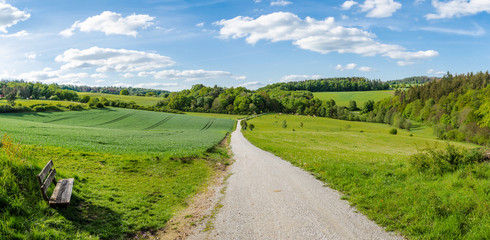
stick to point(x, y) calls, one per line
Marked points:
point(269, 198)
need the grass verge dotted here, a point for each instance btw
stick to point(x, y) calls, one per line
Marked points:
point(371, 167)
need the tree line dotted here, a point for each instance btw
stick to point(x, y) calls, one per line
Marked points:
point(330, 85)
point(117, 90)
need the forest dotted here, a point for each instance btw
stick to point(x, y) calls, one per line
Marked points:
point(330, 85)
point(116, 90)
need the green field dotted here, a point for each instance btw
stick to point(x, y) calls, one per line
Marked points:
point(133, 170)
point(140, 100)
point(370, 166)
point(31, 102)
point(343, 98)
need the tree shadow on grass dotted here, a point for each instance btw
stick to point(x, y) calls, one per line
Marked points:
point(97, 220)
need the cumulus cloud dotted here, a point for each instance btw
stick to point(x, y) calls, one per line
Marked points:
point(107, 60)
point(48, 75)
point(280, 3)
point(31, 55)
point(366, 69)
point(434, 72)
point(111, 23)
point(323, 36)
point(22, 33)
point(252, 85)
point(458, 8)
point(349, 66)
point(294, 78)
point(348, 4)
point(405, 63)
point(380, 8)
point(189, 75)
point(10, 15)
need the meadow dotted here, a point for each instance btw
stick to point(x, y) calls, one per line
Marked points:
point(139, 100)
point(371, 168)
point(32, 102)
point(343, 98)
point(133, 170)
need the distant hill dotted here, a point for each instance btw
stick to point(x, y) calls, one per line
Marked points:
point(330, 85)
point(413, 80)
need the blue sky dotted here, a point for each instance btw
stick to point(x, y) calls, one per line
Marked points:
point(174, 44)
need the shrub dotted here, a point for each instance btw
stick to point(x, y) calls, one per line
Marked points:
point(393, 131)
point(442, 161)
point(251, 127)
point(85, 99)
point(243, 123)
point(284, 124)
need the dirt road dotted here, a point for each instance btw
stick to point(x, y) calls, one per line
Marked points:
point(268, 198)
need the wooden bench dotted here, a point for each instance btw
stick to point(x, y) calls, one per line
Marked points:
point(62, 192)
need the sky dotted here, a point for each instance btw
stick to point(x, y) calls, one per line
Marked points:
point(174, 44)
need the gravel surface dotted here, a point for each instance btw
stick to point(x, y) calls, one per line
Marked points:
point(268, 198)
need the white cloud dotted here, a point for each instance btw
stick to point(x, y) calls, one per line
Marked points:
point(118, 60)
point(280, 3)
point(434, 72)
point(99, 75)
point(252, 85)
point(348, 4)
point(405, 63)
point(349, 66)
point(49, 75)
point(458, 8)
point(22, 33)
point(323, 36)
point(127, 75)
point(201, 24)
point(10, 15)
point(294, 78)
point(479, 31)
point(380, 8)
point(111, 23)
point(31, 55)
point(190, 75)
point(366, 69)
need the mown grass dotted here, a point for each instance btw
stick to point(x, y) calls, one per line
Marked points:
point(343, 98)
point(371, 167)
point(120, 190)
point(140, 100)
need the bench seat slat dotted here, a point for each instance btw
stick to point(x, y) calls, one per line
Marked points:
point(62, 193)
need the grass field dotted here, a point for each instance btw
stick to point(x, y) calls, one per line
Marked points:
point(31, 102)
point(140, 100)
point(133, 170)
point(370, 166)
point(343, 98)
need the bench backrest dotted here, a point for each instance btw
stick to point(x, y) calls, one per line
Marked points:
point(46, 177)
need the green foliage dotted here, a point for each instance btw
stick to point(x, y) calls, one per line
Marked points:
point(393, 131)
point(451, 159)
point(124, 92)
point(243, 124)
point(368, 106)
point(329, 85)
point(372, 170)
point(251, 127)
point(85, 99)
point(284, 123)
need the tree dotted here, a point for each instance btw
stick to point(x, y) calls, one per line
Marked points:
point(353, 105)
point(251, 127)
point(368, 106)
point(124, 92)
point(11, 96)
point(243, 123)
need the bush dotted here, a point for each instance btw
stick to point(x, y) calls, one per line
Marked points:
point(442, 161)
point(393, 131)
point(85, 99)
point(243, 123)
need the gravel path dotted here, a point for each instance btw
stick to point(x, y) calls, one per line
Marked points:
point(268, 198)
